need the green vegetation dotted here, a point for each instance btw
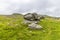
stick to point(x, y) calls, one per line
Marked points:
point(12, 28)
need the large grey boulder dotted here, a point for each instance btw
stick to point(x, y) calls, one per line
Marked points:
point(34, 26)
point(32, 17)
point(32, 20)
point(28, 16)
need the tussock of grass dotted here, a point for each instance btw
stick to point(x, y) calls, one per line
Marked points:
point(12, 28)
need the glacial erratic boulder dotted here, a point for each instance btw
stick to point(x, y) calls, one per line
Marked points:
point(32, 19)
point(28, 16)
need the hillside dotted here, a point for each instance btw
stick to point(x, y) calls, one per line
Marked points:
point(12, 28)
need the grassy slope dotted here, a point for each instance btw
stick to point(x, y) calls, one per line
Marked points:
point(11, 28)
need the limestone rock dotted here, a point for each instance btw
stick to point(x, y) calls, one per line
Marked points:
point(32, 17)
point(29, 22)
point(32, 20)
point(28, 17)
point(34, 26)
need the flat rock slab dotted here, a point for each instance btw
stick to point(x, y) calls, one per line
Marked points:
point(34, 26)
point(29, 22)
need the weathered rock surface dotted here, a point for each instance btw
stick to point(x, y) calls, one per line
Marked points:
point(34, 26)
point(29, 22)
point(32, 20)
point(32, 17)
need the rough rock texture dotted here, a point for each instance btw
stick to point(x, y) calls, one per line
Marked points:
point(32, 17)
point(34, 26)
point(28, 17)
point(32, 20)
point(29, 22)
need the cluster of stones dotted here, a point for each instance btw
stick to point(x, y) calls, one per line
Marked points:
point(32, 20)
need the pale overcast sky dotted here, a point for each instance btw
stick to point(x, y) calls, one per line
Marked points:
point(49, 7)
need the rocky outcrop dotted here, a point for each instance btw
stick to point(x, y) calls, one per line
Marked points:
point(32, 20)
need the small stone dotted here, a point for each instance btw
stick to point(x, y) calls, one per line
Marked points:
point(30, 31)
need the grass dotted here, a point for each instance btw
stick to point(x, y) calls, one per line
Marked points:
point(12, 28)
